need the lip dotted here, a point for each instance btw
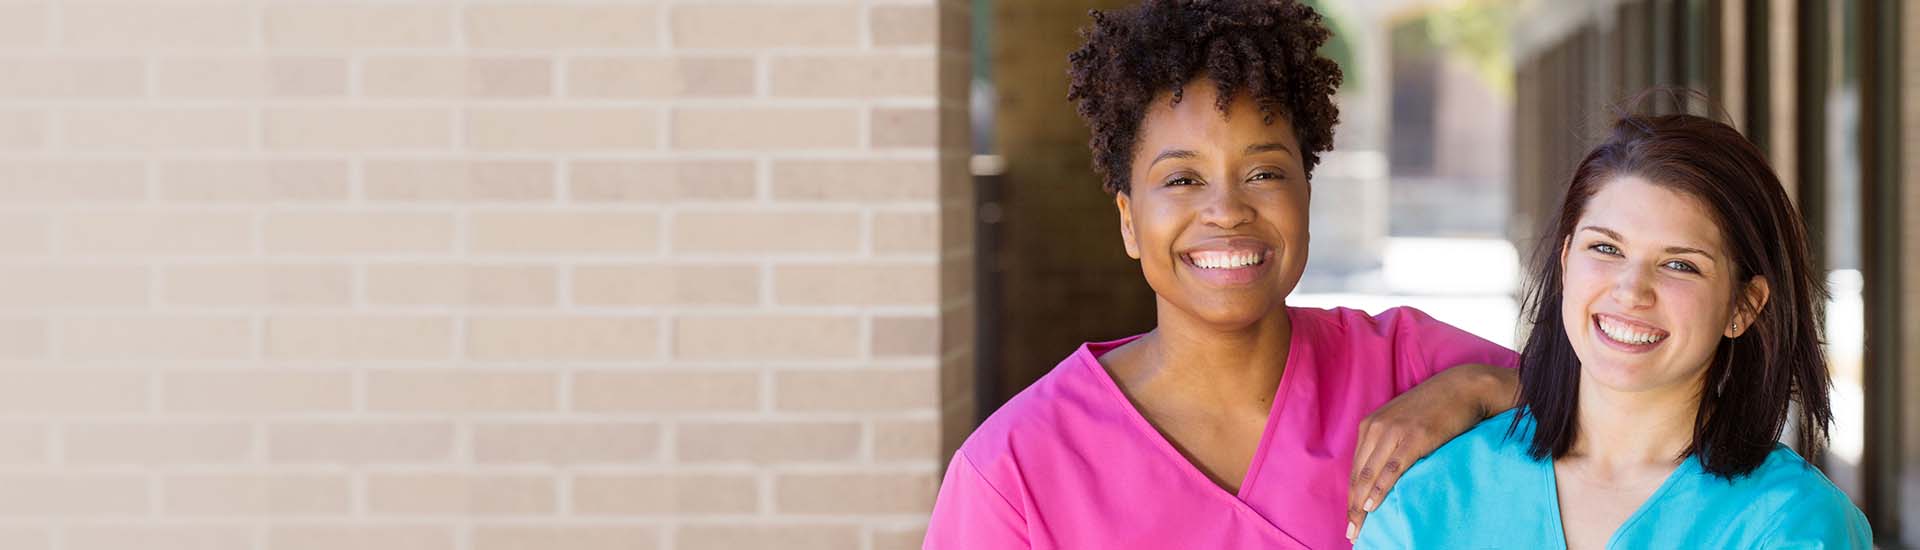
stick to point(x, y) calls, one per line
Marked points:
point(1594, 323)
point(1228, 277)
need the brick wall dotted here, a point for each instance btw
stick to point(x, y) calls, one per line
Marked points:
point(481, 275)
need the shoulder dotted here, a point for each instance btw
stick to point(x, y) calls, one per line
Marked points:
point(1074, 396)
point(1486, 453)
point(1800, 504)
point(1497, 442)
point(1465, 490)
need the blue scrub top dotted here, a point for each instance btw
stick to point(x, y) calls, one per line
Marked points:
point(1481, 490)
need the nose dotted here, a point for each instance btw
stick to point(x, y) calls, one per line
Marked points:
point(1633, 288)
point(1227, 209)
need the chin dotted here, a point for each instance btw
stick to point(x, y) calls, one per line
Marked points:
point(1240, 314)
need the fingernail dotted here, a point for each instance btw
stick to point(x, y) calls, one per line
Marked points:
point(1368, 506)
point(1351, 531)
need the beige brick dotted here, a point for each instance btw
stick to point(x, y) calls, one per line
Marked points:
point(765, 129)
point(562, 129)
point(657, 181)
point(64, 286)
point(72, 181)
point(259, 391)
point(906, 440)
point(894, 26)
point(40, 391)
point(854, 76)
point(461, 284)
point(360, 443)
point(359, 25)
point(89, 496)
point(156, 233)
point(457, 77)
point(459, 180)
point(562, 26)
point(566, 443)
point(761, 232)
point(73, 77)
point(684, 494)
point(565, 232)
point(435, 390)
point(23, 338)
point(23, 130)
point(569, 537)
point(766, 537)
point(767, 442)
point(766, 337)
point(360, 536)
point(358, 233)
point(855, 180)
point(890, 537)
point(23, 24)
point(627, 285)
point(905, 336)
point(905, 128)
point(149, 338)
point(358, 129)
point(765, 26)
point(460, 495)
point(221, 180)
point(258, 284)
point(157, 129)
point(550, 337)
point(25, 233)
point(157, 443)
point(142, 25)
point(907, 233)
point(359, 337)
point(862, 493)
point(158, 537)
point(23, 444)
point(856, 284)
point(857, 390)
point(675, 391)
point(660, 77)
point(250, 77)
point(277, 494)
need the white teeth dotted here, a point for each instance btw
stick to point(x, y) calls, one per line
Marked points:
point(1628, 335)
point(1225, 260)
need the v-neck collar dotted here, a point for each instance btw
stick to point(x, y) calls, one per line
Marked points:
point(1553, 501)
point(1166, 448)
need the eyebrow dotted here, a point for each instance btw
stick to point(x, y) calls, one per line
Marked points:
point(1267, 148)
point(1173, 154)
point(1670, 250)
point(1254, 149)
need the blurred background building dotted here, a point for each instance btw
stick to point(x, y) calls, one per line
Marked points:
point(738, 274)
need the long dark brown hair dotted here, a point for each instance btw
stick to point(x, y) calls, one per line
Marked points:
point(1753, 378)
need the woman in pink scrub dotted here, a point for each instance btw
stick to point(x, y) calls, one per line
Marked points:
point(1238, 422)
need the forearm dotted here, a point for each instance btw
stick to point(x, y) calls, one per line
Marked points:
point(1493, 389)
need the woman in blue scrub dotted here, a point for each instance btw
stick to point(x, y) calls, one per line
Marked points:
point(1676, 315)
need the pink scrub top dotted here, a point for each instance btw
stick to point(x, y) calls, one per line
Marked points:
point(1069, 463)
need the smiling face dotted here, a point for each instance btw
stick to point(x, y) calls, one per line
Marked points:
point(1217, 214)
point(1647, 289)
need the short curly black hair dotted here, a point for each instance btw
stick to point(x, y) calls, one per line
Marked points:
point(1269, 49)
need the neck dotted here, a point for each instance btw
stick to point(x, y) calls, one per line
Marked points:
point(1225, 360)
point(1629, 430)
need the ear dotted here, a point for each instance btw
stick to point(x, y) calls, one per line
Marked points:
point(1752, 300)
point(1565, 244)
point(1124, 203)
